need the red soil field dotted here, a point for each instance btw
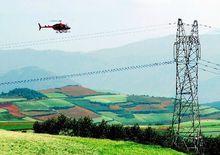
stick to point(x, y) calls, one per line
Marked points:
point(77, 91)
point(37, 113)
point(151, 106)
point(165, 104)
point(12, 109)
point(146, 107)
point(114, 107)
point(43, 118)
point(78, 112)
point(72, 91)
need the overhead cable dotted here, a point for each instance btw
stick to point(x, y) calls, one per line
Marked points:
point(104, 71)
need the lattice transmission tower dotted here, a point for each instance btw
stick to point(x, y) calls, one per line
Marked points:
point(186, 107)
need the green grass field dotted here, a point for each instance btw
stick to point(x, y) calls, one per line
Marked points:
point(43, 144)
point(2, 100)
point(146, 99)
point(209, 110)
point(153, 118)
point(23, 125)
point(31, 105)
point(6, 116)
point(43, 105)
point(3, 110)
point(55, 95)
point(52, 103)
point(209, 127)
point(107, 99)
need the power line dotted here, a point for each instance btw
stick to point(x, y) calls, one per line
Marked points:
point(73, 38)
point(88, 34)
point(128, 31)
point(68, 76)
point(208, 66)
point(206, 70)
point(111, 33)
point(207, 61)
point(188, 24)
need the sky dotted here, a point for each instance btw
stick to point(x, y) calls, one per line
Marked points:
point(19, 18)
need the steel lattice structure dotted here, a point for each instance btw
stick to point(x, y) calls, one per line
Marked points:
point(186, 106)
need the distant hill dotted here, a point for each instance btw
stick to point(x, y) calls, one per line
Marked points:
point(29, 73)
point(214, 104)
point(210, 90)
point(156, 81)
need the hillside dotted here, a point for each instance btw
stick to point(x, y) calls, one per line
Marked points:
point(29, 143)
point(210, 87)
point(214, 104)
point(78, 101)
point(156, 82)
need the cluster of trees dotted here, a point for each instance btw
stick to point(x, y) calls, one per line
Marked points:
point(85, 127)
point(25, 93)
point(211, 145)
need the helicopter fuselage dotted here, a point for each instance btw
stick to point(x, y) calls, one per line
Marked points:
point(62, 28)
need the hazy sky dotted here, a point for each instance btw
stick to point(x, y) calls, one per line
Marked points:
point(19, 18)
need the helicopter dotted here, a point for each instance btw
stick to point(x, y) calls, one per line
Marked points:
point(59, 27)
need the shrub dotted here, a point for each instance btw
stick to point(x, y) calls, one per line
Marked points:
point(25, 93)
point(84, 127)
point(211, 145)
point(100, 130)
point(116, 132)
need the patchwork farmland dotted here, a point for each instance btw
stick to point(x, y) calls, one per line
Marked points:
point(78, 101)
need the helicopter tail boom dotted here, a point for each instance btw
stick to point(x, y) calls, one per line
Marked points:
point(46, 26)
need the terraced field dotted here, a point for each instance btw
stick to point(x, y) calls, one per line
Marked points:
point(72, 91)
point(78, 112)
point(107, 99)
point(42, 105)
point(12, 109)
point(17, 125)
point(55, 95)
point(6, 116)
point(31, 144)
point(46, 117)
point(153, 118)
point(3, 100)
point(209, 127)
point(55, 103)
point(31, 105)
